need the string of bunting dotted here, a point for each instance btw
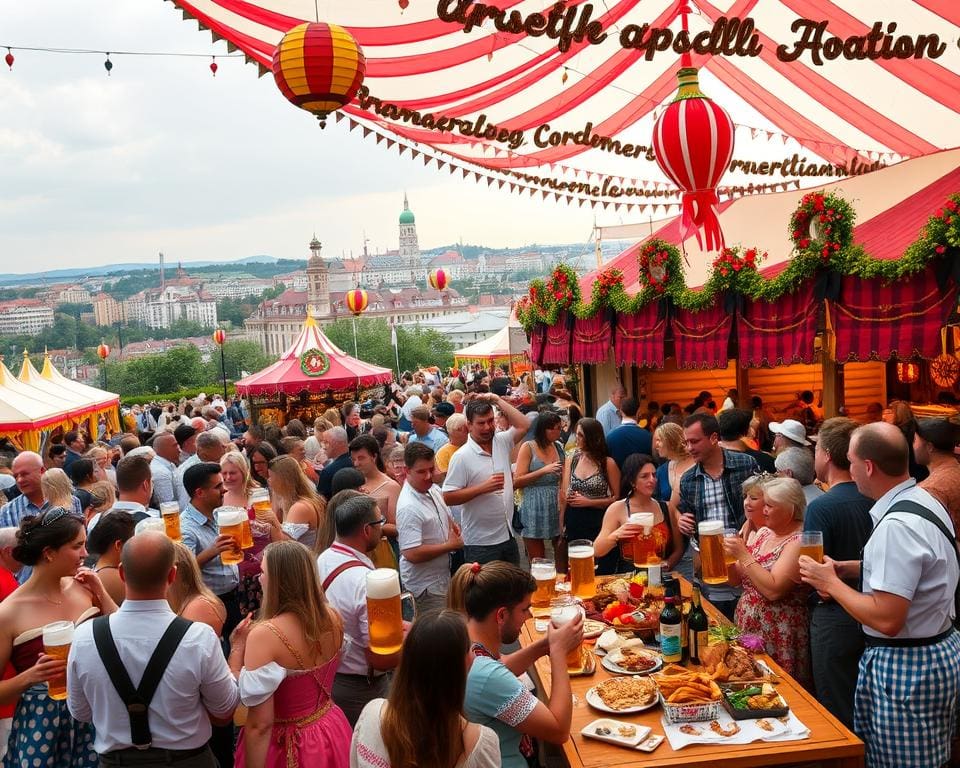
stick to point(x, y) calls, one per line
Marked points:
point(821, 228)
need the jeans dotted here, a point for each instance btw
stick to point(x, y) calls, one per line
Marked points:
point(836, 645)
point(487, 553)
point(353, 692)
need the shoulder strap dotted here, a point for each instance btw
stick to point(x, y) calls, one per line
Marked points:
point(338, 570)
point(137, 701)
point(286, 642)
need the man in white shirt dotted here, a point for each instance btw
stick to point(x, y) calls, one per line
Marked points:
point(135, 483)
point(608, 414)
point(908, 672)
point(362, 674)
point(479, 479)
point(427, 532)
point(164, 466)
point(195, 687)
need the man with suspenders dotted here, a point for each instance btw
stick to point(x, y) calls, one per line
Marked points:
point(149, 680)
point(905, 706)
point(362, 675)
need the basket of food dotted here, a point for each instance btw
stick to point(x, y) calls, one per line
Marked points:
point(746, 702)
point(686, 696)
point(731, 657)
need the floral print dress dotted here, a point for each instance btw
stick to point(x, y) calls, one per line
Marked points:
point(783, 624)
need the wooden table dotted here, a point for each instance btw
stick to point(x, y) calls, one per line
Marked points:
point(829, 743)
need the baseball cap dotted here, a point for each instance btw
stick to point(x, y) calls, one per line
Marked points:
point(444, 409)
point(942, 434)
point(183, 433)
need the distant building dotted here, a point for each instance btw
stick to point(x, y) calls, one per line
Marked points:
point(162, 308)
point(108, 311)
point(294, 281)
point(24, 316)
point(237, 288)
point(74, 294)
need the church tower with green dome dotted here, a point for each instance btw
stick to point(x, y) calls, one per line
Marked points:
point(409, 246)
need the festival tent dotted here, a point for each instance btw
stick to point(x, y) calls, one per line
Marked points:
point(508, 346)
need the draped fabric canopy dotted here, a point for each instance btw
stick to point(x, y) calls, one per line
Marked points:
point(532, 92)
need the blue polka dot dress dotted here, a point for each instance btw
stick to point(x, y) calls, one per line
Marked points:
point(44, 735)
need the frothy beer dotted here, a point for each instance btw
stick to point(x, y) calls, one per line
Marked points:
point(645, 543)
point(711, 552)
point(230, 521)
point(384, 616)
point(544, 572)
point(260, 501)
point(562, 610)
point(580, 559)
point(170, 514)
point(57, 638)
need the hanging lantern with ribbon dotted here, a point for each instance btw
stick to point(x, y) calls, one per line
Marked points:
point(357, 301)
point(693, 144)
point(103, 351)
point(438, 279)
point(318, 67)
point(219, 336)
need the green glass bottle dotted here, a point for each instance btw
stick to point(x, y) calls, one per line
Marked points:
point(697, 628)
point(671, 630)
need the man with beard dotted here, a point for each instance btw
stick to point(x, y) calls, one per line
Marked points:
point(496, 598)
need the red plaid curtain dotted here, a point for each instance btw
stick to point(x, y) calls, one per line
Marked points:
point(557, 343)
point(780, 332)
point(701, 338)
point(874, 320)
point(537, 343)
point(591, 339)
point(639, 338)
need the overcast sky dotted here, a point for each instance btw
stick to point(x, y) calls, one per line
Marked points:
point(161, 156)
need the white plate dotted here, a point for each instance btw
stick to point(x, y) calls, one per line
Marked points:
point(594, 700)
point(590, 731)
point(611, 666)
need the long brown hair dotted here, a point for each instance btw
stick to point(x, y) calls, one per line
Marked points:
point(293, 586)
point(422, 722)
point(189, 583)
point(291, 485)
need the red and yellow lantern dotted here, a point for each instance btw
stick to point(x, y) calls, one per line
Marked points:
point(438, 279)
point(318, 67)
point(357, 301)
point(219, 336)
point(103, 351)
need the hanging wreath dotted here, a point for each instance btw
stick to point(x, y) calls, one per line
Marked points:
point(822, 225)
point(314, 362)
point(734, 262)
point(944, 370)
point(562, 287)
point(654, 261)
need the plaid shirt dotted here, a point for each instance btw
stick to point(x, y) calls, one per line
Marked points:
point(737, 467)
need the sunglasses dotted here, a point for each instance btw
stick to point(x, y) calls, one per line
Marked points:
point(381, 521)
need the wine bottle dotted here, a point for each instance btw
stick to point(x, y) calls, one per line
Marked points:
point(671, 630)
point(697, 628)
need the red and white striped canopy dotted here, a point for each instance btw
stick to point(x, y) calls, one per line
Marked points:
point(286, 376)
point(869, 110)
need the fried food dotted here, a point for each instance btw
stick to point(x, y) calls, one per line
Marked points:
point(690, 730)
point(626, 692)
point(765, 701)
point(681, 686)
point(634, 660)
point(728, 663)
point(766, 725)
point(731, 730)
point(627, 731)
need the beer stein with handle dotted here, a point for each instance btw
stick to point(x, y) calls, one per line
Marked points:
point(57, 639)
point(384, 612)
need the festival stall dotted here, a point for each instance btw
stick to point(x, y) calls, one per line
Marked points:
point(508, 346)
point(310, 377)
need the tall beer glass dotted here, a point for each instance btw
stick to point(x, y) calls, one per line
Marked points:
point(580, 560)
point(57, 638)
point(645, 543)
point(170, 514)
point(384, 614)
point(230, 521)
point(714, 567)
point(729, 533)
point(811, 545)
point(562, 610)
point(260, 501)
point(544, 572)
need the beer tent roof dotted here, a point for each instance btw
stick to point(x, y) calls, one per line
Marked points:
point(313, 364)
point(508, 344)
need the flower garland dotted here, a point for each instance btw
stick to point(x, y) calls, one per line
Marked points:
point(829, 245)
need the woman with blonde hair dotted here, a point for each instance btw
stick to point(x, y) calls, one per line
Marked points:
point(668, 444)
point(190, 597)
point(291, 657)
point(774, 602)
point(753, 506)
point(57, 488)
point(296, 447)
point(332, 415)
point(238, 482)
point(312, 446)
point(295, 502)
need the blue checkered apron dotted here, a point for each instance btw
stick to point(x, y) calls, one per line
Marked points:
point(906, 702)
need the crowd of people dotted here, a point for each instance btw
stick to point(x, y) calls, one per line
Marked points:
point(182, 655)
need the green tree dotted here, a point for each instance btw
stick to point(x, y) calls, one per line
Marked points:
point(238, 356)
point(417, 346)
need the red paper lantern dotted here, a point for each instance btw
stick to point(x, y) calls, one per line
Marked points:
point(693, 143)
point(357, 301)
point(9, 58)
point(214, 67)
point(219, 336)
point(438, 279)
point(103, 351)
point(318, 67)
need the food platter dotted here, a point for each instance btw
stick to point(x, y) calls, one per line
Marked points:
point(639, 689)
point(615, 661)
point(617, 728)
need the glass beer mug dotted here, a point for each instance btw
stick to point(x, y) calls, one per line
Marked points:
point(564, 609)
point(170, 514)
point(712, 561)
point(544, 573)
point(230, 520)
point(57, 638)
point(581, 563)
point(384, 614)
point(645, 543)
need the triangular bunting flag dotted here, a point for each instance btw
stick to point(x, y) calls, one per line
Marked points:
point(414, 154)
point(427, 159)
point(367, 131)
point(500, 183)
point(569, 199)
point(403, 148)
point(441, 163)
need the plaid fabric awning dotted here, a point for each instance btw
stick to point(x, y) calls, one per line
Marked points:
point(874, 320)
point(701, 338)
point(591, 338)
point(557, 343)
point(779, 332)
point(639, 339)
